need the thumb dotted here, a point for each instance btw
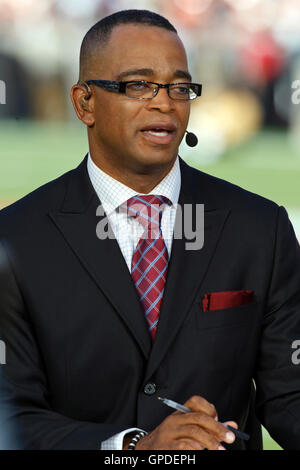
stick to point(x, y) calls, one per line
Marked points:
point(231, 423)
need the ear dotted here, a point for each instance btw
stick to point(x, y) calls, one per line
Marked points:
point(83, 102)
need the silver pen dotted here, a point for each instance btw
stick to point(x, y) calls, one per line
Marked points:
point(184, 409)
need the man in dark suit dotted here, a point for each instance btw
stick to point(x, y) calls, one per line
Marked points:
point(101, 314)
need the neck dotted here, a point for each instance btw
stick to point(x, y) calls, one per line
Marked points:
point(142, 180)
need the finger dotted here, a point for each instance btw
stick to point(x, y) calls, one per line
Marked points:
point(204, 438)
point(203, 421)
point(231, 423)
point(199, 404)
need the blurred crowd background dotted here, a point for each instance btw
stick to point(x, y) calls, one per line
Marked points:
point(246, 53)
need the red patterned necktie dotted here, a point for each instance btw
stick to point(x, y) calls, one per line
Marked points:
point(150, 257)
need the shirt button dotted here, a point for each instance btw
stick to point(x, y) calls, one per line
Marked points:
point(150, 388)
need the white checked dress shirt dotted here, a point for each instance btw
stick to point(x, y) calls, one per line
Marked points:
point(128, 231)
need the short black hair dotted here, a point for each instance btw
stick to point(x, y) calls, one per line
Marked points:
point(100, 33)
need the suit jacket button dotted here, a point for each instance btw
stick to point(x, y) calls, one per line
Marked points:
point(150, 388)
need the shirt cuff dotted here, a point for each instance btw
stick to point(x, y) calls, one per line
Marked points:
point(116, 442)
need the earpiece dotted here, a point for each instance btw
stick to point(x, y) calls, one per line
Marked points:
point(88, 90)
point(84, 99)
point(84, 103)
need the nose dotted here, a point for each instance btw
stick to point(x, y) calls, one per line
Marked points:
point(161, 101)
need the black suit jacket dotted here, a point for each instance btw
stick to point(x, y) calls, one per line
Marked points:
point(78, 351)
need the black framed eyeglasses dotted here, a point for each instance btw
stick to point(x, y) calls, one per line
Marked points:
point(144, 90)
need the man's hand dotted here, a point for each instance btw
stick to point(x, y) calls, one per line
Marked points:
point(197, 430)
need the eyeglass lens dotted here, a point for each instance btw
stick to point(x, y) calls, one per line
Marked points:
point(149, 90)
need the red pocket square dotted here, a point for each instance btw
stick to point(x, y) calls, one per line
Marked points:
point(227, 299)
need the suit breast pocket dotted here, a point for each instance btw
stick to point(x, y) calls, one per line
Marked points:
point(226, 317)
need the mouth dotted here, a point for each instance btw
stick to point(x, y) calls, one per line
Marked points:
point(162, 134)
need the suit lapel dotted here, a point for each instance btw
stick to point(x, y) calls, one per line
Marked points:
point(102, 259)
point(187, 268)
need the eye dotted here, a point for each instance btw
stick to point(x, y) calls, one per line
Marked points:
point(138, 86)
point(182, 90)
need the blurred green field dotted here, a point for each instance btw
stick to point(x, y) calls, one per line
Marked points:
point(32, 154)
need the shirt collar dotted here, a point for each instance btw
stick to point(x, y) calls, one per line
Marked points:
point(112, 193)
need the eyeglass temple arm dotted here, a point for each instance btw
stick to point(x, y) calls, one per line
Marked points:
point(110, 85)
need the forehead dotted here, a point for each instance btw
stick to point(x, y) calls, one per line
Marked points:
point(142, 46)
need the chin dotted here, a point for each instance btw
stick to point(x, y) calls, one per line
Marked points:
point(157, 157)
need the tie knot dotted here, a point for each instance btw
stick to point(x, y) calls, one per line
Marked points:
point(147, 209)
